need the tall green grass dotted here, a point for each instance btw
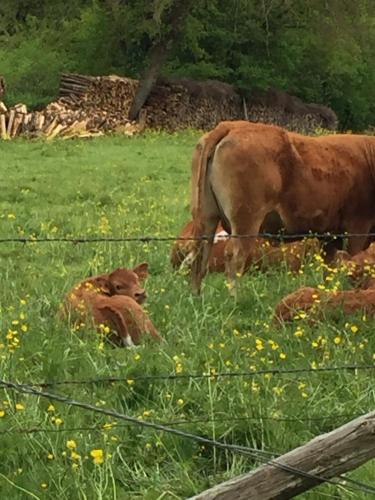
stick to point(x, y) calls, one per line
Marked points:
point(115, 186)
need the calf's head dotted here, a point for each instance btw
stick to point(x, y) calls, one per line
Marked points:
point(123, 281)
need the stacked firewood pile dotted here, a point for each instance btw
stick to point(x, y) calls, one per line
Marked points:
point(87, 106)
point(90, 105)
point(188, 103)
point(103, 103)
point(279, 108)
point(184, 103)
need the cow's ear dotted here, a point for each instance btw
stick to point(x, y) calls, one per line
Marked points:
point(103, 284)
point(141, 270)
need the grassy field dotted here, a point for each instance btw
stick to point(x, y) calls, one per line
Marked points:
point(116, 186)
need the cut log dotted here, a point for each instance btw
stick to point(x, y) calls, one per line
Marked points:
point(16, 124)
point(50, 126)
point(3, 127)
point(12, 115)
point(39, 121)
point(76, 129)
point(55, 131)
point(21, 108)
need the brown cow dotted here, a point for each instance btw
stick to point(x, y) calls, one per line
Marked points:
point(307, 298)
point(266, 253)
point(112, 300)
point(242, 171)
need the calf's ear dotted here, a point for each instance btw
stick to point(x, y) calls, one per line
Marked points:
point(141, 270)
point(103, 283)
point(342, 255)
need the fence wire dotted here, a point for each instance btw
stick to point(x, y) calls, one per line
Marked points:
point(148, 239)
point(267, 457)
point(100, 428)
point(189, 376)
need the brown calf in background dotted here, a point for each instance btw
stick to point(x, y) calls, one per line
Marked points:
point(265, 254)
point(307, 298)
point(361, 265)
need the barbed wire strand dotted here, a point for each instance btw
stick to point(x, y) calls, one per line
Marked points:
point(101, 428)
point(259, 454)
point(147, 239)
point(270, 371)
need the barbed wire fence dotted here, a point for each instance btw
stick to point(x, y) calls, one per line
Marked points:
point(266, 457)
point(216, 375)
point(169, 238)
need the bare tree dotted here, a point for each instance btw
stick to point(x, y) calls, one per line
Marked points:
point(159, 52)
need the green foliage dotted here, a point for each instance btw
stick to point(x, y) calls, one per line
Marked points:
point(31, 66)
point(321, 51)
point(115, 186)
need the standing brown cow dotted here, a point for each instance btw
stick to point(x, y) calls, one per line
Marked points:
point(242, 171)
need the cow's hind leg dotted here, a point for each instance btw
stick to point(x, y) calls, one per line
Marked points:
point(239, 249)
point(202, 251)
point(358, 243)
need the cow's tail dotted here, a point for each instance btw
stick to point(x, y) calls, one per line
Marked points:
point(371, 157)
point(207, 147)
point(203, 153)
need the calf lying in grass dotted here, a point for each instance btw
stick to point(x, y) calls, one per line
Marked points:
point(112, 300)
point(317, 301)
point(360, 266)
point(265, 254)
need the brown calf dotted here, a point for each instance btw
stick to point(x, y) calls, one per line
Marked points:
point(112, 300)
point(361, 265)
point(264, 254)
point(121, 281)
point(307, 298)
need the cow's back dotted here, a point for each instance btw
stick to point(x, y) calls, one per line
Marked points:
point(333, 182)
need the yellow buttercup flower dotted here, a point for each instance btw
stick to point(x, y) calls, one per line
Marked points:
point(71, 444)
point(98, 456)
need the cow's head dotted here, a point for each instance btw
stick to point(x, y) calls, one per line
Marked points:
point(123, 281)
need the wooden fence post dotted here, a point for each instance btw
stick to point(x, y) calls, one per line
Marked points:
point(326, 456)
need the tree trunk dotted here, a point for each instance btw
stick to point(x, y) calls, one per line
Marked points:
point(159, 53)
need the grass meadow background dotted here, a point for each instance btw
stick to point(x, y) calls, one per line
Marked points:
point(115, 186)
